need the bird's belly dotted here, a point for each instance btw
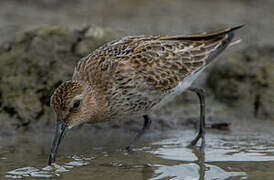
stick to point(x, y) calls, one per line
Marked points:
point(181, 87)
point(142, 102)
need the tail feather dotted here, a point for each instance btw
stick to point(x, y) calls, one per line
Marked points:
point(234, 42)
point(202, 36)
point(224, 43)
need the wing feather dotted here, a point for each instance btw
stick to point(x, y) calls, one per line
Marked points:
point(156, 62)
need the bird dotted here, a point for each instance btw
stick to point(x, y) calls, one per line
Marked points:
point(133, 76)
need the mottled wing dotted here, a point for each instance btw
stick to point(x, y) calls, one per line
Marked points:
point(158, 62)
point(165, 61)
point(106, 60)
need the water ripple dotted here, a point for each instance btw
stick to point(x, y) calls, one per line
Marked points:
point(49, 171)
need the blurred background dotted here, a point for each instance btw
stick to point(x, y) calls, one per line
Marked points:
point(42, 40)
point(131, 17)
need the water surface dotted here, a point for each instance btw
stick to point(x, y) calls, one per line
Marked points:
point(242, 153)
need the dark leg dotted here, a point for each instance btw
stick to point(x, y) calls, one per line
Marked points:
point(147, 123)
point(201, 134)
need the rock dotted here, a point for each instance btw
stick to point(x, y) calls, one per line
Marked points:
point(245, 82)
point(93, 38)
point(35, 63)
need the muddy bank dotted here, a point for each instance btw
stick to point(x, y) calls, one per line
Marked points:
point(34, 62)
point(245, 82)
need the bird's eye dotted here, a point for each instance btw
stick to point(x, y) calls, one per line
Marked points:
point(75, 105)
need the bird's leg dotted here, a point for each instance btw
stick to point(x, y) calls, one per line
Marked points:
point(201, 134)
point(147, 123)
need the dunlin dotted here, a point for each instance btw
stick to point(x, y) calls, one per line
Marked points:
point(133, 76)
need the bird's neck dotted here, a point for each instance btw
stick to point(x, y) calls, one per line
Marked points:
point(96, 100)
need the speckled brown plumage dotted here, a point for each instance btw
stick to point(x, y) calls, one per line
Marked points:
point(64, 93)
point(132, 76)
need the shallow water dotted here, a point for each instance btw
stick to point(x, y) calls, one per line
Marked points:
point(245, 153)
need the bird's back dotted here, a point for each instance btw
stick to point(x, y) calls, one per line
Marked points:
point(137, 72)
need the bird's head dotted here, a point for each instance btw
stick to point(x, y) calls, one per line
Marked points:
point(74, 103)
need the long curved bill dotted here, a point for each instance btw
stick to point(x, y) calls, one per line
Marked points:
point(60, 129)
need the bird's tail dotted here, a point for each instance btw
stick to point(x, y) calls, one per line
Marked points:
point(214, 42)
point(234, 42)
point(204, 35)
